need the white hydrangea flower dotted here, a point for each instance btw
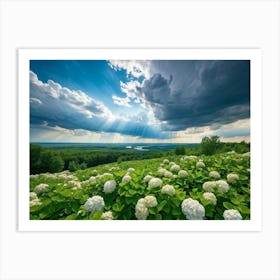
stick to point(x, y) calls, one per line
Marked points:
point(232, 178)
point(214, 174)
point(83, 183)
point(246, 154)
point(200, 164)
point(183, 173)
point(168, 174)
point(209, 186)
point(141, 211)
point(161, 165)
point(184, 158)
point(150, 201)
point(41, 188)
point(109, 186)
point(32, 196)
point(231, 152)
point(155, 182)
point(94, 204)
point(171, 163)
point(210, 196)
point(74, 184)
point(166, 161)
point(34, 176)
point(168, 189)
point(63, 176)
point(193, 209)
point(232, 214)
point(147, 178)
point(130, 170)
point(126, 178)
point(92, 179)
point(107, 215)
point(175, 168)
point(48, 175)
point(72, 177)
point(34, 202)
point(222, 186)
point(106, 174)
point(161, 171)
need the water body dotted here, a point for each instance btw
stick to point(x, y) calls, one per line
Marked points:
point(117, 146)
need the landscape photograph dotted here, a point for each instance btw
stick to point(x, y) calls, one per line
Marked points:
point(139, 140)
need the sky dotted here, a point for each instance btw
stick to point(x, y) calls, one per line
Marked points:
point(126, 101)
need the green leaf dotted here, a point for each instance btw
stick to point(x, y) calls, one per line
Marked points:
point(161, 205)
point(228, 205)
point(66, 193)
point(235, 201)
point(152, 210)
point(96, 215)
point(243, 209)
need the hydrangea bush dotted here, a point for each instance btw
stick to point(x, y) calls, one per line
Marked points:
point(174, 188)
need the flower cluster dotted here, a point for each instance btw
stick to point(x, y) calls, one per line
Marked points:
point(110, 186)
point(41, 188)
point(34, 202)
point(161, 171)
point(94, 204)
point(166, 161)
point(168, 189)
point(193, 209)
point(232, 178)
point(130, 170)
point(214, 174)
point(232, 214)
point(155, 182)
point(74, 184)
point(141, 210)
point(150, 201)
point(168, 174)
point(183, 173)
point(221, 186)
point(126, 178)
point(200, 164)
point(209, 186)
point(33, 199)
point(107, 215)
point(91, 180)
point(175, 168)
point(33, 196)
point(210, 196)
point(147, 178)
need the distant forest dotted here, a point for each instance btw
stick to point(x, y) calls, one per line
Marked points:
point(52, 160)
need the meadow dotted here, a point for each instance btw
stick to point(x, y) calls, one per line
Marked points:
point(171, 187)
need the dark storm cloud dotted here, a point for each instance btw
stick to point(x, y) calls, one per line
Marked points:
point(201, 92)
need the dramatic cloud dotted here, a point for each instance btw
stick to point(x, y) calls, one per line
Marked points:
point(186, 94)
point(58, 107)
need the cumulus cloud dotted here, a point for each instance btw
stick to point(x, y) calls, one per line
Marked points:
point(52, 105)
point(133, 68)
point(121, 101)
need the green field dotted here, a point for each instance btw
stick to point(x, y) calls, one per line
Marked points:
point(85, 195)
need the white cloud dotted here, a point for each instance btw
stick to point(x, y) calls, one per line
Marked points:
point(135, 68)
point(130, 88)
point(121, 101)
